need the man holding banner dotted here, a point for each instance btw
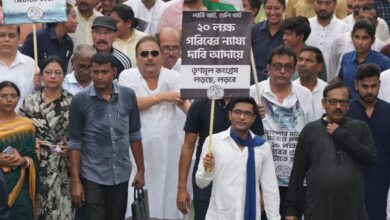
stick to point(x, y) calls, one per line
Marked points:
point(243, 162)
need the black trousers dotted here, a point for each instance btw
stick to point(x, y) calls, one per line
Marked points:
point(105, 202)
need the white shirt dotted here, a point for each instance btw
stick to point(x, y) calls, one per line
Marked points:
point(342, 45)
point(381, 32)
point(20, 72)
point(162, 139)
point(317, 95)
point(388, 206)
point(83, 34)
point(323, 37)
point(227, 200)
point(151, 16)
point(177, 65)
point(71, 85)
point(384, 91)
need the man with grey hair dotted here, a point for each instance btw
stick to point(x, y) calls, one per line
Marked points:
point(80, 77)
point(169, 40)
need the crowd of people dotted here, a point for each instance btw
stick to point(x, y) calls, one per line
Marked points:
point(99, 113)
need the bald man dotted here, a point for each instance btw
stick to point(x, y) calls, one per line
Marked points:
point(169, 40)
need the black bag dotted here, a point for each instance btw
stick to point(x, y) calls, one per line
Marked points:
point(140, 206)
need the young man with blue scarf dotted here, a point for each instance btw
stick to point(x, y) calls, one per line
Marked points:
point(238, 163)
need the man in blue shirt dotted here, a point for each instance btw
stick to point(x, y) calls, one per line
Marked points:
point(363, 36)
point(103, 121)
point(375, 112)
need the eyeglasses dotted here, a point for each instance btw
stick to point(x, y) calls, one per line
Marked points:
point(279, 67)
point(245, 113)
point(9, 96)
point(334, 102)
point(55, 73)
point(154, 53)
point(166, 49)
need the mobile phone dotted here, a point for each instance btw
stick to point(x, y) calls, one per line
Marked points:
point(8, 150)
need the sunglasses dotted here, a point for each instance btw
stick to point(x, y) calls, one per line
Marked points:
point(154, 53)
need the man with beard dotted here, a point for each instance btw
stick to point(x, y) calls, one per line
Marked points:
point(375, 112)
point(330, 155)
point(80, 77)
point(173, 14)
point(169, 40)
point(325, 27)
point(85, 14)
point(310, 63)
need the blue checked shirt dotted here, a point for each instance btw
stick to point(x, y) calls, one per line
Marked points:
point(102, 130)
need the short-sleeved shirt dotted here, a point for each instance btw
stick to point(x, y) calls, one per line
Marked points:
point(48, 45)
point(102, 130)
point(349, 64)
point(262, 44)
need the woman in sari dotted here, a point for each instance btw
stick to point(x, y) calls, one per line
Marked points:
point(17, 158)
point(48, 110)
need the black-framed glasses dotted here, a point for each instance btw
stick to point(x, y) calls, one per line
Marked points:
point(245, 113)
point(286, 67)
point(334, 102)
point(145, 53)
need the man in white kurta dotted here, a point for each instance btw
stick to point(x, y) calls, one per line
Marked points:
point(325, 27)
point(149, 11)
point(229, 169)
point(384, 91)
point(310, 63)
point(157, 94)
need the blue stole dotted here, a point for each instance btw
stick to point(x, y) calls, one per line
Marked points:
point(250, 194)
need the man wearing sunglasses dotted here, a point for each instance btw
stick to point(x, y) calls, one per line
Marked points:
point(157, 91)
point(330, 156)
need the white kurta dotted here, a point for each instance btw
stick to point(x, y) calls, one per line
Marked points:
point(323, 37)
point(227, 200)
point(384, 91)
point(152, 15)
point(317, 95)
point(162, 138)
